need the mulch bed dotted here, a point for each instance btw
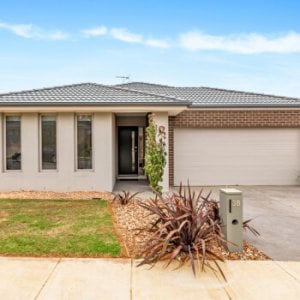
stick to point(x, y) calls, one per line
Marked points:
point(131, 218)
point(55, 195)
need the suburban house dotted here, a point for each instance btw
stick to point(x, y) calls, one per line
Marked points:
point(87, 136)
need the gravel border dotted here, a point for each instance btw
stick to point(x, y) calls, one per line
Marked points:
point(131, 218)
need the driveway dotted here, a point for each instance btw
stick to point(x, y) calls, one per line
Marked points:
point(276, 213)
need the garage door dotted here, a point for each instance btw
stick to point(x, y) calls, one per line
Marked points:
point(237, 156)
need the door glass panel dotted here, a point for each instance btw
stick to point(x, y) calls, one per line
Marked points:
point(141, 151)
point(128, 150)
point(133, 151)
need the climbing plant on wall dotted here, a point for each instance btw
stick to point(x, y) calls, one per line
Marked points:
point(155, 154)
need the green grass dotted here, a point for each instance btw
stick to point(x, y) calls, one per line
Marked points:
point(57, 227)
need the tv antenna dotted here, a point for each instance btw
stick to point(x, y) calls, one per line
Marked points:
point(124, 78)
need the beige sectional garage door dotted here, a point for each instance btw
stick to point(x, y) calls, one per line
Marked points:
point(237, 156)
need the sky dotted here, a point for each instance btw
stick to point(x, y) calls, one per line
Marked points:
point(243, 45)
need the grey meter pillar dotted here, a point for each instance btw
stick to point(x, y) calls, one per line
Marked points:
point(231, 214)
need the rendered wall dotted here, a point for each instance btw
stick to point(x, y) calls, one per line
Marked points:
point(65, 178)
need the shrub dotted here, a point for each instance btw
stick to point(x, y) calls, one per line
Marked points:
point(186, 228)
point(124, 198)
point(155, 154)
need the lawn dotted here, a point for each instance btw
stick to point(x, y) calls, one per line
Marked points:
point(57, 227)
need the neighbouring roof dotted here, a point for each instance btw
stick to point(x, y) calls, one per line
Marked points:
point(86, 94)
point(213, 97)
point(139, 93)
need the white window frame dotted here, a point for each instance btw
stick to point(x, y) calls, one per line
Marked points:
point(41, 147)
point(4, 143)
point(76, 142)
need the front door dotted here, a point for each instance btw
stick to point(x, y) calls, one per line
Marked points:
point(128, 150)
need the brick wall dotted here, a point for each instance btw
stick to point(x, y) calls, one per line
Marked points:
point(228, 119)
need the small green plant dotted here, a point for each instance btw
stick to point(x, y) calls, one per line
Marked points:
point(125, 197)
point(155, 154)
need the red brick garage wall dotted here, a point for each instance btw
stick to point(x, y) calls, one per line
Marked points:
point(229, 119)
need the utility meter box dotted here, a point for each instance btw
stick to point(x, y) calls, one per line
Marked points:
point(231, 214)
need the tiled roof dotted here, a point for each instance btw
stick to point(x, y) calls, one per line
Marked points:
point(213, 97)
point(139, 93)
point(86, 94)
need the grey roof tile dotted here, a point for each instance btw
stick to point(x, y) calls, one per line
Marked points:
point(86, 94)
point(213, 97)
point(139, 93)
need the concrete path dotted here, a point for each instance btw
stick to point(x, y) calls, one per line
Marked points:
point(36, 278)
point(141, 186)
point(275, 211)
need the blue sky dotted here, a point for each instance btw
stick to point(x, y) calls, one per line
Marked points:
point(245, 45)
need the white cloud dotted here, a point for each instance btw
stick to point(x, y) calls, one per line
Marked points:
point(157, 43)
point(30, 31)
point(124, 35)
point(251, 43)
point(18, 29)
point(96, 31)
point(246, 44)
point(57, 35)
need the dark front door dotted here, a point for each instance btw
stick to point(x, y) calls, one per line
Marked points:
point(128, 150)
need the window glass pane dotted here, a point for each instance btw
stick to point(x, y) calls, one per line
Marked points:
point(13, 143)
point(84, 142)
point(48, 124)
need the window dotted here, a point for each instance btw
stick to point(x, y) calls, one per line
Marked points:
point(13, 142)
point(84, 142)
point(48, 142)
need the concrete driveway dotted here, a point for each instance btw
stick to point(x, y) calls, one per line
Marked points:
point(276, 213)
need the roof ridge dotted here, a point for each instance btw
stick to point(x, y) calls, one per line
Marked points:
point(148, 83)
point(214, 88)
point(47, 88)
point(142, 92)
point(152, 94)
point(245, 92)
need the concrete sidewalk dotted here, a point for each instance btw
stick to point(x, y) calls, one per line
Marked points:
point(38, 278)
